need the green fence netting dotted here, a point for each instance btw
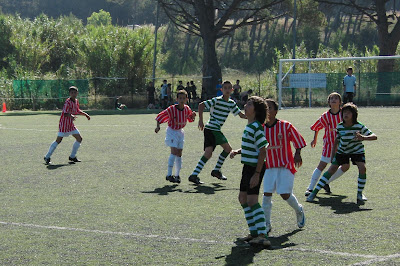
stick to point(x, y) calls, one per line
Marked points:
point(47, 94)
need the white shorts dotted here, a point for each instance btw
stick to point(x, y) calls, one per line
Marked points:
point(326, 159)
point(278, 179)
point(175, 138)
point(67, 134)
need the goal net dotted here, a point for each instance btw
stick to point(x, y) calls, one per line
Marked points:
point(315, 78)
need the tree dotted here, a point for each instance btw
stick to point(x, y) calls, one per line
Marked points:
point(388, 27)
point(212, 19)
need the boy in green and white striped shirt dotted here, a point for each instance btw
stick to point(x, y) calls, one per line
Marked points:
point(253, 153)
point(350, 134)
point(220, 107)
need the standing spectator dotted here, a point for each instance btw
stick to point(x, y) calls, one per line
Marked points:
point(219, 88)
point(193, 90)
point(244, 96)
point(349, 86)
point(150, 93)
point(169, 93)
point(180, 86)
point(164, 94)
point(187, 89)
point(237, 89)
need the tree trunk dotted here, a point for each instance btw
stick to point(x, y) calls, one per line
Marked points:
point(252, 40)
point(211, 68)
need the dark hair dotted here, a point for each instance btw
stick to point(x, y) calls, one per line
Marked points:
point(181, 92)
point(274, 103)
point(72, 88)
point(352, 108)
point(226, 82)
point(250, 91)
point(349, 68)
point(260, 108)
point(334, 94)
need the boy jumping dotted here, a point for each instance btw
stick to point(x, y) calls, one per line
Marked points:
point(66, 126)
point(220, 107)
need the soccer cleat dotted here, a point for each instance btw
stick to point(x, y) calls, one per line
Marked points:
point(47, 161)
point(308, 192)
point(170, 178)
point(361, 197)
point(311, 197)
point(195, 179)
point(218, 174)
point(247, 238)
point(327, 188)
point(301, 218)
point(177, 179)
point(261, 240)
point(75, 160)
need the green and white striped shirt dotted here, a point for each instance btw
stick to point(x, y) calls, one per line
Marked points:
point(253, 140)
point(347, 143)
point(219, 111)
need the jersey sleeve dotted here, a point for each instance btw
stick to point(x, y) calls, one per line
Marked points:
point(67, 109)
point(318, 125)
point(189, 114)
point(259, 137)
point(163, 116)
point(235, 110)
point(365, 131)
point(210, 103)
point(297, 138)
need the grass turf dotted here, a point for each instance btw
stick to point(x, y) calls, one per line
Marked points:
point(115, 207)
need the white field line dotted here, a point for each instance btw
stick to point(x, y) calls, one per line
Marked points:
point(138, 128)
point(373, 258)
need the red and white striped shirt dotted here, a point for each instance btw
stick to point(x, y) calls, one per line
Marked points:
point(67, 122)
point(176, 118)
point(279, 151)
point(329, 121)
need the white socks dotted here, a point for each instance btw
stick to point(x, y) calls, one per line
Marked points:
point(178, 165)
point(267, 207)
point(292, 201)
point(53, 146)
point(336, 175)
point(171, 161)
point(75, 148)
point(314, 178)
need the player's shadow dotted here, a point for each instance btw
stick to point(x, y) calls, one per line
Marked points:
point(336, 203)
point(163, 191)
point(243, 253)
point(56, 166)
point(208, 190)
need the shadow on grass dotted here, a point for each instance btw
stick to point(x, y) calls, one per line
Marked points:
point(163, 191)
point(336, 204)
point(243, 253)
point(56, 166)
point(91, 112)
point(208, 190)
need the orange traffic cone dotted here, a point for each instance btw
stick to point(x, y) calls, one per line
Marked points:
point(4, 108)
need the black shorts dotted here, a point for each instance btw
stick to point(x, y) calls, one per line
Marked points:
point(341, 159)
point(213, 138)
point(247, 173)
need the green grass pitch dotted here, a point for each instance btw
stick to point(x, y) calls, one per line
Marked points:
point(115, 207)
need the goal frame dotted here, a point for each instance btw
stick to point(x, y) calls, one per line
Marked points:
point(310, 60)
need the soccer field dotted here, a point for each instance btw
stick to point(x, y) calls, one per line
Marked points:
point(115, 207)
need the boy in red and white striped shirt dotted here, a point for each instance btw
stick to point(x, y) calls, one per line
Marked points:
point(280, 163)
point(329, 121)
point(177, 116)
point(66, 126)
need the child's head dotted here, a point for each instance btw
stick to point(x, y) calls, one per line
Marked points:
point(73, 91)
point(165, 81)
point(334, 99)
point(258, 106)
point(272, 108)
point(349, 70)
point(181, 96)
point(349, 113)
point(191, 82)
point(227, 88)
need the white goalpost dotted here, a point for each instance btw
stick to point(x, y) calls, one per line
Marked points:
point(313, 80)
